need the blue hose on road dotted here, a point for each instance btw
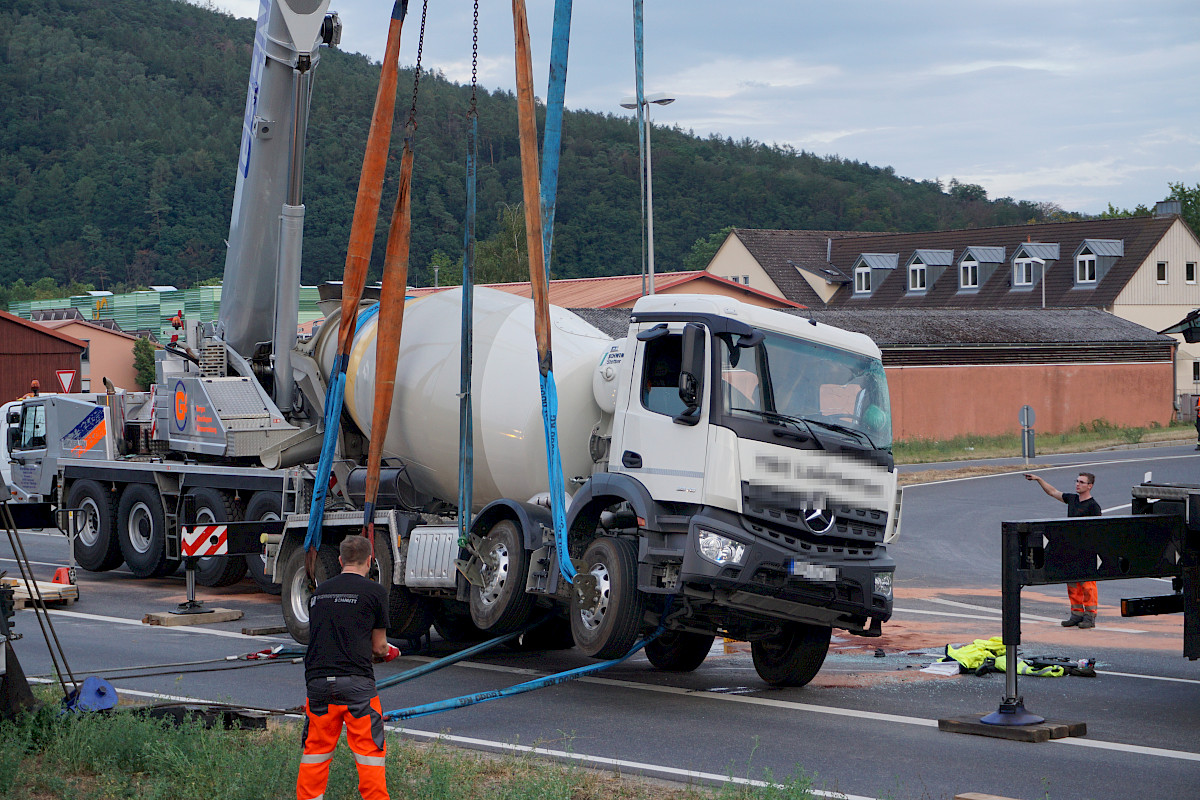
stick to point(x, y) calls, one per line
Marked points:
point(520, 688)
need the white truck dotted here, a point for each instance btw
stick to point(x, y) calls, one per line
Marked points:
point(728, 468)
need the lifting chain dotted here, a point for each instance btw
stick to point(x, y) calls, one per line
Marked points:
point(474, 60)
point(412, 111)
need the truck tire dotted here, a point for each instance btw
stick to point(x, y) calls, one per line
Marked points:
point(96, 547)
point(212, 508)
point(793, 657)
point(501, 605)
point(609, 628)
point(409, 615)
point(297, 588)
point(452, 621)
point(679, 651)
point(142, 532)
point(263, 507)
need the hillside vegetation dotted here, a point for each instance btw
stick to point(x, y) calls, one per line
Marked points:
point(119, 141)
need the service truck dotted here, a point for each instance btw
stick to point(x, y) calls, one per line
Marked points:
point(728, 468)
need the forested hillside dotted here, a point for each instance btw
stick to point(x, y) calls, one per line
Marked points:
point(119, 140)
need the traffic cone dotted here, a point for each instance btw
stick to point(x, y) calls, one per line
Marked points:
point(62, 575)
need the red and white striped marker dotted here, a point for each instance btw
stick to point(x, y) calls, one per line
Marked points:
point(205, 540)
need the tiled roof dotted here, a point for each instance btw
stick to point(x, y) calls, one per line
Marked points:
point(1139, 234)
point(612, 290)
point(896, 328)
point(782, 254)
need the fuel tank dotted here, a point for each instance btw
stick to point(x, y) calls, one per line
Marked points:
point(509, 444)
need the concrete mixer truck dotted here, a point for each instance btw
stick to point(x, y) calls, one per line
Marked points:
point(727, 468)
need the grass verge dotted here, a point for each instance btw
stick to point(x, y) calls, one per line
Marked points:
point(1095, 435)
point(124, 755)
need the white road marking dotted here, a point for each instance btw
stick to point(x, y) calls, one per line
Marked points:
point(36, 563)
point(1128, 748)
point(175, 628)
point(1024, 617)
point(1116, 508)
point(1021, 470)
point(1150, 677)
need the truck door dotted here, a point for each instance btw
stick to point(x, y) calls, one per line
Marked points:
point(28, 450)
point(665, 455)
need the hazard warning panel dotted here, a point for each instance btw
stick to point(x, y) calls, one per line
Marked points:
point(205, 540)
point(66, 378)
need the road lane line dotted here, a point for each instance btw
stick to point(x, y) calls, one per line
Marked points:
point(1115, 508)
point(1024, 617)
point(1017, 469)
point(1128, 748)
point(176, 628)
point(1149, 677)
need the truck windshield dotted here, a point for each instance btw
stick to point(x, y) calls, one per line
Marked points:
point(811, 384)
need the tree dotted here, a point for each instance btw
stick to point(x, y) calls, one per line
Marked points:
point(143, 361)
point(503, 257)
point(705, 248)
point(1189, 198)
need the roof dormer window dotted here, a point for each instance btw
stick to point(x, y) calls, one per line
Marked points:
point(862, 280)
point(968, 274)
point(916, 276)
point(1023, 272)
point(1085, 267)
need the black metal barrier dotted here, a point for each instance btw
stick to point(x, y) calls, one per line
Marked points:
point(241, 539)
point(1141, 545)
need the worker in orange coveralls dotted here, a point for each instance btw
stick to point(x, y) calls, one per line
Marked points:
point(1085, 599)
point(347, 629)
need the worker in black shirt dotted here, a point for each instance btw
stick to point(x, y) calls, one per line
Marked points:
point(1085, 599)
point(347, 625)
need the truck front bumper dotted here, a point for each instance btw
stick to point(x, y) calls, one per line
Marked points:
point(785, 575)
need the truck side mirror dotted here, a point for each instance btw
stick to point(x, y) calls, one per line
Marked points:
point(14, 438)
point(14, 416)
point(691, 373)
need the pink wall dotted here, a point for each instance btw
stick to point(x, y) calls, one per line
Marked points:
point(111, 356)
point(944, 402)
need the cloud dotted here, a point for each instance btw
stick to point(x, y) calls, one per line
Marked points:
point(724, 78)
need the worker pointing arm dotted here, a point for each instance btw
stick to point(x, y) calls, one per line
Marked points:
point(347, 630)
point(1046, 487)
point(1085, 598)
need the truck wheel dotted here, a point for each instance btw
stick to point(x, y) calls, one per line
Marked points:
point(297, 588)
point(501, 605)
point(609, 627)
point(793, 657)
point(142, 532)
point(679, 651)
point(263, 507)
point(96, 547)
point(452, 621)
point(409, 615)
point(212, 508)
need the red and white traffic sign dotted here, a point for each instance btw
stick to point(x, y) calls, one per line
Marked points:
point(205, 540)
point(66, 377)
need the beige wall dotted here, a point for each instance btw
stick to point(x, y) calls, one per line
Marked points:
point(733, 261)
point(110, 355)
point(944, 402)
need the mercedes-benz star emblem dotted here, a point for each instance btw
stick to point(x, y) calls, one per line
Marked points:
point(818, 520)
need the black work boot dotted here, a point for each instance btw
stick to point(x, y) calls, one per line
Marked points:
point(1075, 619)
point(1089, 620)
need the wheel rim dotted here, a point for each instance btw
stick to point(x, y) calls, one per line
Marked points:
point(299, 596)
point(593, 618)
point(89, 532)
point(140, 527)
point(495, 577)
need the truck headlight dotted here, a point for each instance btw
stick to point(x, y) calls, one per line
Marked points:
point(719, 549)
point(883, 583)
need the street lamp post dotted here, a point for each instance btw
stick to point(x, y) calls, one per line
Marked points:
point(659, 99)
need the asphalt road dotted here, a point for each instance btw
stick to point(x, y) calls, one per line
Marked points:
point(865, 727)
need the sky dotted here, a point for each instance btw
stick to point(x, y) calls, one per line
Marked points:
point(1078, 103)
